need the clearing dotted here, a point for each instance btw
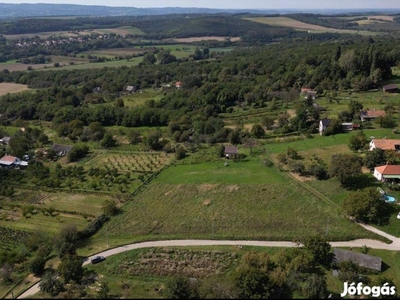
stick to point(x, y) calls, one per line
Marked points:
point(6, 88)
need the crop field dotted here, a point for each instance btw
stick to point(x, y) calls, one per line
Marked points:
point(140, 98)
point(132, 162)
point(119, 30)
point(6, 88)
point(288, 22)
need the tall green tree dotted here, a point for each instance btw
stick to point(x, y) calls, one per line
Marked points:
point(345, 166)
point(315, 287)
point(319, 247)
point(358, 141)
point(71, 268)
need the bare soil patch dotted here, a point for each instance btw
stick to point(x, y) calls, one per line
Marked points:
point(6, 87)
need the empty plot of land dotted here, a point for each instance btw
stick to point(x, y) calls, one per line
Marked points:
point(12, 88)
point(206, 38)
point(382, 17)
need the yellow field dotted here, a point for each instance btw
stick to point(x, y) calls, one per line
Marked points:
point(12, 88)
point(288, 22)
point(382, 17)
point(369, 21)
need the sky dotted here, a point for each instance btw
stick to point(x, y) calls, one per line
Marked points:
point(232, 4)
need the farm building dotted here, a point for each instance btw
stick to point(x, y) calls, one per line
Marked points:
point(9, 162)
point(312, 94)
point(390, 88)
point(304, 91)
point(231, 151)
point(368, 115)
point(387, 172)
point(362, 260)
point(323, 124)
point(384, 144)
point(61, 150)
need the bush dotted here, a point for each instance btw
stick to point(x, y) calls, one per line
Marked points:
point(93, 226)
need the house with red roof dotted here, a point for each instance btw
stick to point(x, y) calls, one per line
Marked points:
point(387, 172)
point(384, 144)
point(371, 114)
point(9, 161)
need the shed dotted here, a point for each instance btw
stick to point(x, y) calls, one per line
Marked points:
point(231, 151)
point(5, 140)
point(390, 88)
point(130, 89)
point(61, 150)
point(362, 260)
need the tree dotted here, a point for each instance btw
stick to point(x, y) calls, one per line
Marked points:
point(104, 290)
point(50, 283)
point(153, 140)
point(374, 158)
point(358, 141)
point(133, 137)
point(348, 271)
point(319, 247)
point(345, 166)
point(252, 276)
point(110, 207)
point(365, 205)
point(179, 287)
point(37, 265)
point(180, 153)
point(77, 152)
point(149, 59)
point(65, 241)
point(108, 141)
point(6, 272)
point(71, 268)
point(315, 287)
point(334, 127)
point(268, 122)
point(258, 131)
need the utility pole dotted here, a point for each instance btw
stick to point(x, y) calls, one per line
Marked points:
point(327, 222)
point(212, 234)
point(107, 235)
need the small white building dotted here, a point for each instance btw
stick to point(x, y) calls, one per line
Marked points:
point(387, 172)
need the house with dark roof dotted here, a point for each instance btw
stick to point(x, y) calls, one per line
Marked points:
point(231, 151)
point(61, 150)
point(312, 94)
point(323, 124)
point(387, 172)
point(369, 115)
point(384, 144)
point(362, 260)
point(390, 88)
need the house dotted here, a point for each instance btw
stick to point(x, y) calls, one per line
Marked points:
point(323, 124)
point(9, 161)
point(368, 115)
point(390, 88)
point(362, 260)
point(61, 150)
point(5, 140)
point(312, 94)
point(231, 152)
point(304, 91)
point(384, 144)
point(96, 90)
point(382, 173)
point(130, 89)
point(350, 126)
point(178, 85)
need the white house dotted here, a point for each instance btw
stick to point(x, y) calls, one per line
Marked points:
point(323, 124)
point(384, 144)
point(8, 161)
point(383, 173)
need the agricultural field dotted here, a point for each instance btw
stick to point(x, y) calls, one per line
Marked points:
point(11, 88)
point(126, 162)
point(206, 38)
point(288, 22)
point(125, 30)
point(140, 98)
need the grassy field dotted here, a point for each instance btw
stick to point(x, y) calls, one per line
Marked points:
point(6, 88)
point(245, 200)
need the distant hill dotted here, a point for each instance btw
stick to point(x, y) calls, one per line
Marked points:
point(43, 10)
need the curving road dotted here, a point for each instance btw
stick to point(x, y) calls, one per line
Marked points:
point(374, 244)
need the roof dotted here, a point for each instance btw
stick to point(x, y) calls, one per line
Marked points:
point(363, 260)
point(385, 144)
point(231, 149)
point(61, 148)
point(5, 138)
point(130, 88)
point(373, 113)
point(313, 93)
point(388, 169)
point(326, 122)
point(391, 86)
point(7, 160)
